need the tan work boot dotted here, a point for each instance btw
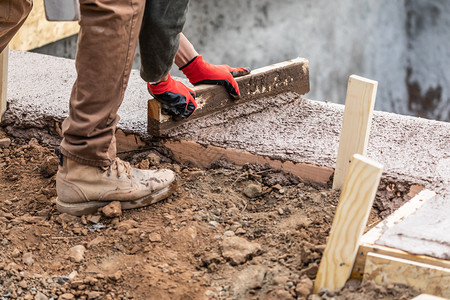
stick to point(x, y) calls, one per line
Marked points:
point(82, 189)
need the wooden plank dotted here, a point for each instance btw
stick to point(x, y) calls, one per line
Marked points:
point(349, 222)
point(3, 81)
point(291, 75)
point(203, 156)
point(37, 31)
point(384, 269)
point(364, 249)
point(359, 104)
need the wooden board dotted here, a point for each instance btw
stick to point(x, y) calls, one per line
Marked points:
point(369, 239)
point(37, 31)
point(292, 75)
point(384, 269)
point(359, 104)
point(3, 81)
point(204, 156)
point(349, 222)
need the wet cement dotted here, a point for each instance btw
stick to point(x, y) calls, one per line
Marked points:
point(284, 127)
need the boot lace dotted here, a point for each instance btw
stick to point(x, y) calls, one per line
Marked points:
point(120, 166)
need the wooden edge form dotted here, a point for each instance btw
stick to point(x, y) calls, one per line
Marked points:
point(349, 222)
point(37, 31)
point(3, 81)
point(383, 270)
point(397, 216)
point(364, 249)
point(358, 112)
point(204, 156)
point(288, 76)
point(368, 240)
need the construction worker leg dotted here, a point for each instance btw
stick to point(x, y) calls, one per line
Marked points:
point(13, 14)
point(159, 37)
point(106, 47)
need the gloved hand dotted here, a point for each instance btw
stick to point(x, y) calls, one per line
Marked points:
point(177, 99)
point(199, 71)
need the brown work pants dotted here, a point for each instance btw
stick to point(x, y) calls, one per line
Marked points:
point(109, 31)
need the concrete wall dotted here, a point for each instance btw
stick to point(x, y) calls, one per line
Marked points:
point(404, 44)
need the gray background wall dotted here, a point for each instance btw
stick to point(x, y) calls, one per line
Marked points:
point(403, 44)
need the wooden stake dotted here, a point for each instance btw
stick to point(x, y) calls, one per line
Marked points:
point(349, 222)
point(359, 104)
point(3, 80)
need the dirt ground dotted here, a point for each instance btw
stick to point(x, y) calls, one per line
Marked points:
point(227, 233)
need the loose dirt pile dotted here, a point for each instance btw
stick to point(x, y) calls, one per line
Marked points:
point(228, 233)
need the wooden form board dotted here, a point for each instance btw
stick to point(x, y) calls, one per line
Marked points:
point(349, 222)
point(204, 156)
point(384, 269)
point(291, 75)
point(37, 31)
point(367, 244)
point(358, 111)
point(3, 81)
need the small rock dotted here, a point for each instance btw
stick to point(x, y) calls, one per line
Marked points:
point(248, 279)
point(115, 276)
point(280, 211)
point(94, 295)
point(279, 295)
point(73, 275)
point(228, 233)
point(5, 142)
point(76, 253)
point(214, 224)
point(94, 219)
point(252, 190)
point(95, 242)
point(27, 258)
point(323, 195)
point(49, 166)
point(28, 297)
point(40, 296)
point(154, 159)
point(237, 250)
point(197, 173)
point(155, 237)
point(22, 284)
point(66, 296)
point(112, 210)
point(304, 287)
point(240, 230)
point(15, 253)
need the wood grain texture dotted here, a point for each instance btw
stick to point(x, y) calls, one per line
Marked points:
point(3, 81)
point(349, 222)
point(384, 270)
point(364, 249)
point(292, 75)
point(359, 105)
point(204, 156)
point(37, 31)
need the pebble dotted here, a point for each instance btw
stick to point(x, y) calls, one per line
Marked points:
point(237, 250)
point(228, 233)
point(94, 295)
point(66, 296)
point(15, 253)
point(112, 210)
point(49, 166)
point(304, 287)
point(40, 296)
point(27, 258)
point(214, 224)
point(240, 231)
point(5, 142)
point(154, 159)
point(155, 237)
point(252, 190)
point(94, 219)
point(76, 253)
point(115, 276)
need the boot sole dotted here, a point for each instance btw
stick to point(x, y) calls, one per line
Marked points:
point(88, 208)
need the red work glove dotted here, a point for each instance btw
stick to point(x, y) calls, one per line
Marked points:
point(199, 71)
point(177, 99)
